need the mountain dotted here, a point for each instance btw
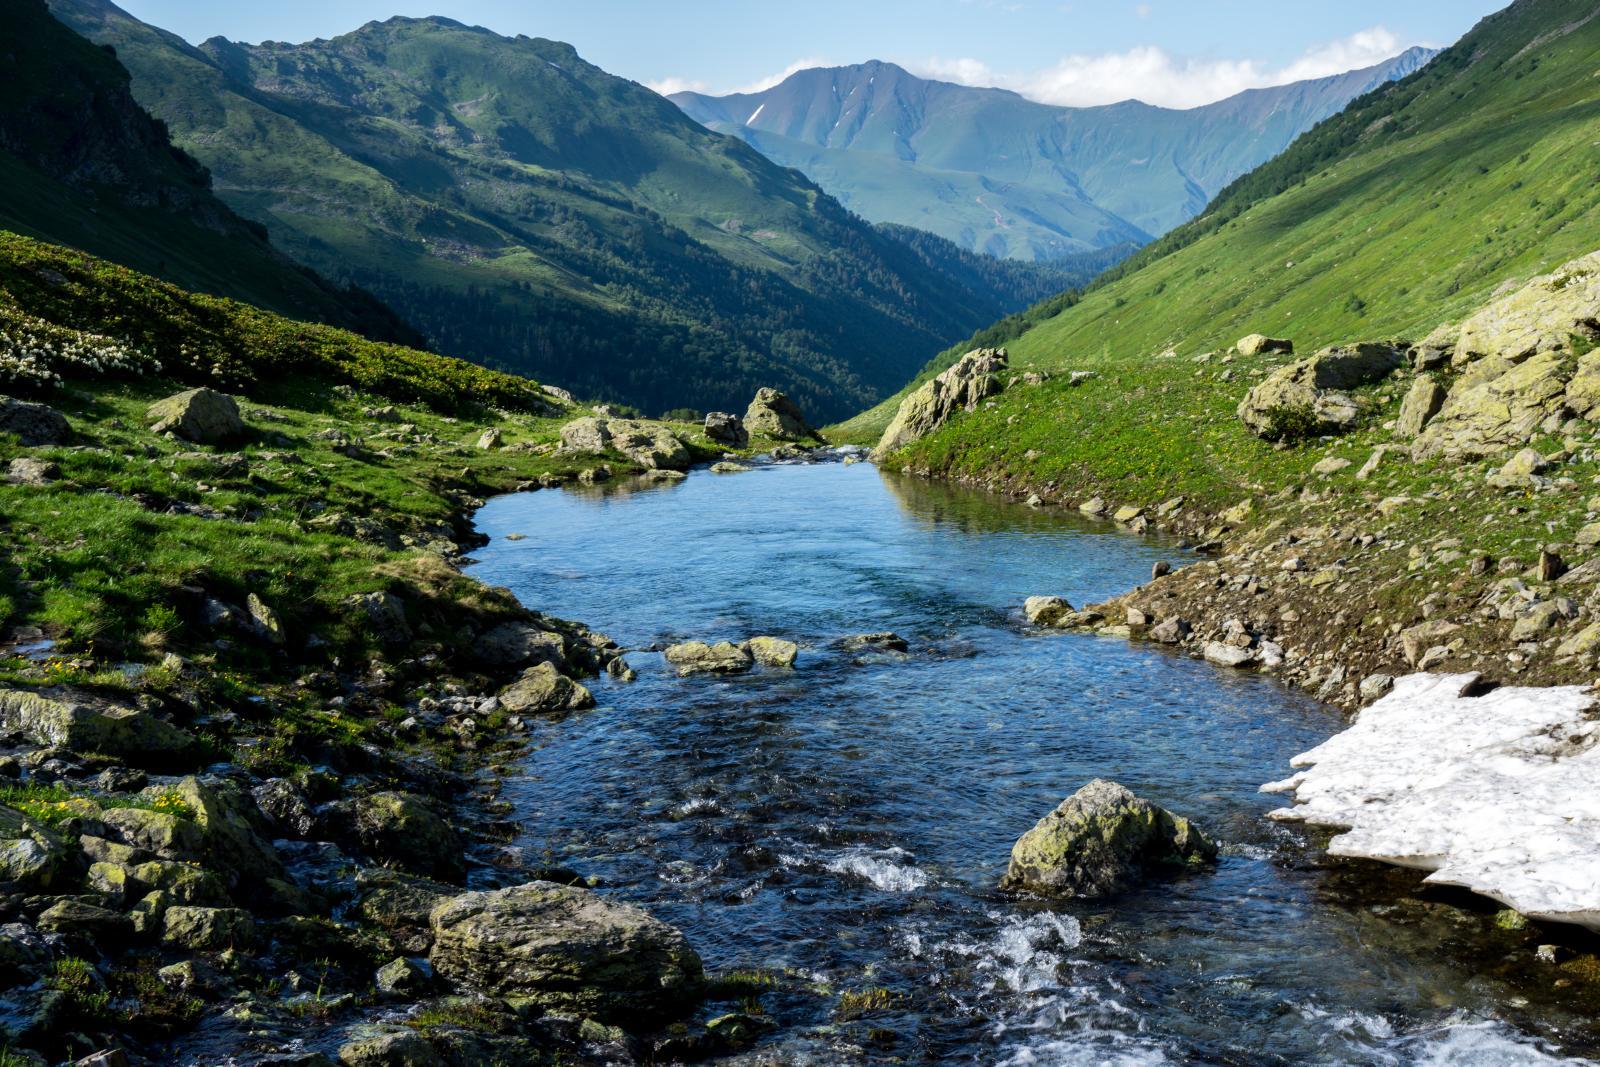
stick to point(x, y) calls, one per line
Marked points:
point(997, 172)
point(1410, 209)
point(525, 209)
point(83, 164)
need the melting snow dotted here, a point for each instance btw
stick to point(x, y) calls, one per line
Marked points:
point(1498, 793)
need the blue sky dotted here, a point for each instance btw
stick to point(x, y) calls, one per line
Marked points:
point(1174, 52)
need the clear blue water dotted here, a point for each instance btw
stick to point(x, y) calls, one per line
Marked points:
point(846, 822)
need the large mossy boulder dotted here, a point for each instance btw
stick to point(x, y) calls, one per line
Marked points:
point(202, 415)
point(726, 428)
point(1308, 397)
point(65, 718)
point(773, 414)
point(33, 425)
point(1101, 841)
point(32, 856)
point(1497, 404)
point(1542, 316)
point(961, 387)
point(566, 949)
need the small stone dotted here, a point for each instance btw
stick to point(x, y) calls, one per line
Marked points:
point(30, 470)
point(1374, 686)
point(490, 439)
point(1171, 631)
point(1330, 465)
point(403, 976)
point(1226, 655)
point(1160, 569)
point(1046, 610)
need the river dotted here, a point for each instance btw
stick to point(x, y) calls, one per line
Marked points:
point(845, 822)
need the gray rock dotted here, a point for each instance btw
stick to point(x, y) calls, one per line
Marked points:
point(65, 718)
point(400, 828)
point(208, 929)
point(384, 614)
point(1046, 610)
point(697, 657)
point(542, 688)
point(1170, 631)
point(264, 621)
point(652, 445)
point(203, 416)
point(34, 425)
point(1307, 397)
point(1101, 841)
point(520, 644)
point(567, 950)
point(1256, 344)
point(403, 976)
point(405, 1048)
point(773, 651)
point(727, 429)
point(1423, 401)
point(489, 439)
point(283, 802)
point(961, 387)
point(1226, 655)
point(32, 856)
point(71, 916)
point(772, 414)
point(886, 641)
point(31, 470)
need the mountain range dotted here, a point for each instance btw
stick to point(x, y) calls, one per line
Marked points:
point(525, 209)
point(999, 173)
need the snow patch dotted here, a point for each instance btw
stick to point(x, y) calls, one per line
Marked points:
point(1494, 793)
point(754, 113)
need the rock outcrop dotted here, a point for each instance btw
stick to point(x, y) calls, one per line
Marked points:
point(772, 414)
point(1527, 366)
point(973, 378)
point(567, 950)
point(1308, 396)
point(649, 444)
point(1101, 841)
point(63, 718)
point(542, 688)
point(202, 415)
point(1423, 401)
point(726, 429)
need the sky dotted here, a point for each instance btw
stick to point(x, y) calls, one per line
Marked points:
point(1175, 53)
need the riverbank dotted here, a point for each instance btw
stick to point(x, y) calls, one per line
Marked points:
point(253, 716)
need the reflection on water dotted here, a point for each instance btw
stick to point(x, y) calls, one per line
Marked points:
point(846, 822)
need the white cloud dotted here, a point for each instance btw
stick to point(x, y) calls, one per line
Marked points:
point(669, 85)
point(1156, 76)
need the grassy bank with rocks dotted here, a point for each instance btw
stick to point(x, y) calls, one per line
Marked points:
point(251, 711)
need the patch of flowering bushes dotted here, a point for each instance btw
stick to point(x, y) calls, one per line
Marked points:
point(35, 354)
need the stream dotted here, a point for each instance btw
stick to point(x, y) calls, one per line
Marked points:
point(846, 822)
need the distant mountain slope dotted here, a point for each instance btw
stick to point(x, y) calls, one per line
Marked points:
point(81, 163)
point(994, 171)
point(528, 210)
point(1407, 210)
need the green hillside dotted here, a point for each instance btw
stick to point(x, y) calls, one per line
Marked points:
point(995, 171)
point(527, 210)
point(82, 164)
point(1403, 213)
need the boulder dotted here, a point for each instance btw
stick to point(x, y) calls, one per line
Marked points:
point(650, 444)
point(403, 976)
point(884, 641)
point(973, 378)
point(1046, 610)
point(207, 929)
point(542, 688)
point(203, 416)
point(1520, 471)
point(264, 621)
point(519, 644)
point(1423, 401)
point(1307, 397)
point(1173, 631)
point(1226, 655)
point(567, 950)
point(1542, 316)
point(71, 916)
point(33, 425)
point(31, 470)
point(383, 614)
point(31, 855)
point(1497, 404)
point(697, 657)
point(727, 429)
point(773, 651)
point(233, 836)
point(64, 718)
point(160, 832)
point(286, 806)
point(772, 414)
point(490, 439)
point(1103, 840)
point(399, 828)
point(1256, 344)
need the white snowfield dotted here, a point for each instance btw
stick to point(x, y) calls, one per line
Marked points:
point(1498, 793)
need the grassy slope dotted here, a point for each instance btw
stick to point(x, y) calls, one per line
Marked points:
point(96, 555)
point(1483, 174)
